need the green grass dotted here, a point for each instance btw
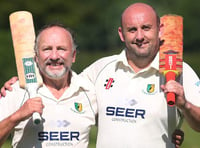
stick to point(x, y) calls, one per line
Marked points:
point(93, 135)
point(7, 144)
point(192, 138)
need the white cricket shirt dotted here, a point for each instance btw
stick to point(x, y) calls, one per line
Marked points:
point(132, 109)
point(66, 121)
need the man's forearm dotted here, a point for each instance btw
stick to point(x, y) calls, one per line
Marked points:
point(6, 126)
point(192, 115)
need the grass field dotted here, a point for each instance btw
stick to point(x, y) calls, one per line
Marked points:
point(192, 138)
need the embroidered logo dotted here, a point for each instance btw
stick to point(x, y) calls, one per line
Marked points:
point(150, 88)
point(197, 83)
point(109, 83)
point(78, 106)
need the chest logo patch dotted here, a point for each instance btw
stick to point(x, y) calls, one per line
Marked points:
point(109, 83)
point(197, 83)
point(150, 88)
point(78, 106)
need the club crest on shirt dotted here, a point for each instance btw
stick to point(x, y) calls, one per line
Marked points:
point(150, 89)
point(197, 84)
point(78, 107)
point(109, 83)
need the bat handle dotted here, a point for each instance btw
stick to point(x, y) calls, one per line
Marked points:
point(36, 116)
point(170, 96)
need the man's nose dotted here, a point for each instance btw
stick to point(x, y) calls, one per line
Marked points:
point(54, 54)
point(140, 35)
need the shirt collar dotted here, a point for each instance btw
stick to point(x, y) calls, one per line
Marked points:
point(122, 60)
point(155, 63)
point(77, 83)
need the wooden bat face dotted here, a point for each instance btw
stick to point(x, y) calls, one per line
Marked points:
point(171, 51)
point(23, 36)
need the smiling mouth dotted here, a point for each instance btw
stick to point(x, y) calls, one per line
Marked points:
point(54, 64)
point(141, 44)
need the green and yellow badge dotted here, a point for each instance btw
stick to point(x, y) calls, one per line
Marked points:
point(78, 106)
point(150, 88)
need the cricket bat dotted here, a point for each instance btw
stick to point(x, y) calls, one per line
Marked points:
point(23, 37)
point(171, 51)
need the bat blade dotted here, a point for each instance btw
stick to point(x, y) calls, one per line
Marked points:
point(171, 50)
point(23, 37)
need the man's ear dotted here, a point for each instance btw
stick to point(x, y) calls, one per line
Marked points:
point(161, 30)
point(74, 56)
point(120, 32)
point(36, 60)
point(35, 57)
